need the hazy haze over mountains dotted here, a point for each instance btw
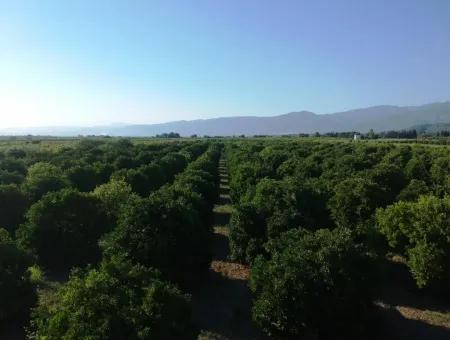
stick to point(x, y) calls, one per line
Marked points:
point(378, 118)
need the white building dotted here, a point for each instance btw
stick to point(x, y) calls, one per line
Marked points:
point(356, 136)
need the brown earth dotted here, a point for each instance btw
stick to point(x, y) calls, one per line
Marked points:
point(222, 300)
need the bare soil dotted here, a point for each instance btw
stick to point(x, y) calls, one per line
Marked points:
point(407, 312)
point(222, 299)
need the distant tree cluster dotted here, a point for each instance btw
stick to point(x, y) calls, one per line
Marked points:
point(169, 135)
point(402, 134)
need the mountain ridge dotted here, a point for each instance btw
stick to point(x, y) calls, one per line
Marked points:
point(378, 118)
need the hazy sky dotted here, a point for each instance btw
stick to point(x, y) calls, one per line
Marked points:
point(90, 62)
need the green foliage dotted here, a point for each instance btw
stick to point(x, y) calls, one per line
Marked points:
point(312, 279)
point(274, 206)
point(440, 174)
point(247, 233)
point(160, 195)
point(12, 207)
point(8, 177)
point(17, 293)
point(36, 273)
point(355, 201)
point(156, 233)
point(413, 191)
point(277, 185)
point(13, 165)
point(63, 229)
point(43, 178)
point(83, 177)
point(142, 180)
point(117, 301)
point(429, 266)
point(124, 162)
point(416, 169)
point(114, 195)
point(173, 164)
point(389, 178)
point(421, 231)
point(169, 229)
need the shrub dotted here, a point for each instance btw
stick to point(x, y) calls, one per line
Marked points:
point(12, 208)
point(160, 232)
point(117, 301)
point(114, 195)
point(247, 233)
point(63, 229)
point(355, 201)
point(17, 293)
point(421, 231)
point(413, 191)
point(43, 178)
point(7, 177)
point(314, 284)
point(83, 177)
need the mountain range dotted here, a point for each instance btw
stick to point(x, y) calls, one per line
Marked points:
point(378, 118)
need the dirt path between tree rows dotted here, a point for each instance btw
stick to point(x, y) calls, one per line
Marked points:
point(222, 301)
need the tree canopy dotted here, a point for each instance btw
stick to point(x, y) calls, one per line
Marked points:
point(63, 229)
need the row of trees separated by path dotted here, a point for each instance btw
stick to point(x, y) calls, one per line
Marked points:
point(320, 224)
point(101, 239)
point(132, 249)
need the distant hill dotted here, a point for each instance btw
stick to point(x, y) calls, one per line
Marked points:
point(378, 118)
point(432, 128)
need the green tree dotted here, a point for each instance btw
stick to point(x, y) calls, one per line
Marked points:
point(138, 181)
point(413, 191)
point(43, 178)
point(118, 301)
point(83, 177)
point(13, 206)
point(7, 177)
point(247, 233)
point(162, 233)
point(355, 201)
point(389, 178)
point(416, 169)
point(313, 285)
point(17, 293)
point(440, 174)
point(13, 165)
point(172, 164)
point(63, 229)
point(114, 195)
point(421, 231)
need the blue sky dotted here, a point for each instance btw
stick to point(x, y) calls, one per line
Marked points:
point(95, 62)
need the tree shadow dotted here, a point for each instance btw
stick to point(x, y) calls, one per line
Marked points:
point(224, 199)
point(397, 287)
point(220, 247)
point(221, 218)
point(13, 330)
point(223, 306)
point(393, 325)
